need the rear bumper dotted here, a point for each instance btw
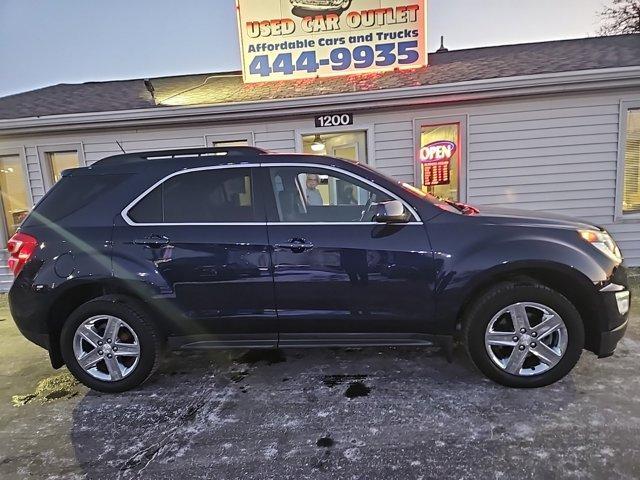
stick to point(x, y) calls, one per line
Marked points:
point(41, 339)
point(44, 340)
point(29, 311)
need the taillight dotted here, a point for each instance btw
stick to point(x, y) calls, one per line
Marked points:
point(21, 247)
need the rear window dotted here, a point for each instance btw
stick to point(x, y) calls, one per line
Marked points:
point(208, 196)
point(71, 194)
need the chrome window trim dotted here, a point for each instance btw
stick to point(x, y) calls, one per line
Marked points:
point(316, 224)
point(125, 212)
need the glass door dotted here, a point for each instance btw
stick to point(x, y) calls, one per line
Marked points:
point(13, 195)
point(348, 145)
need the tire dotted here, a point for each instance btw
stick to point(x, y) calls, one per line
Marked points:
point(496, 308)
point(133, 331)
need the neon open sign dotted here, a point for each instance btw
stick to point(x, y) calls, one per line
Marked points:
point(438, 151)
point(436, 162)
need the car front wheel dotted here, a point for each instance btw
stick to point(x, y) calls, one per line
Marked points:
point(523, 336)
point(110, 345)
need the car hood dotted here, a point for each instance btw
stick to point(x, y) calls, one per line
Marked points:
point(512, 216)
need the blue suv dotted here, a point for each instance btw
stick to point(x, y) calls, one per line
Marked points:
point(240, 248)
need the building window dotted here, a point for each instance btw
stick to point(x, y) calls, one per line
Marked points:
point(439, 159)
point(232, 143)
point(350, 146)
point(230, 140)
point(61, 161)
point(631, 195)
point(57, 159)
point(14, 198)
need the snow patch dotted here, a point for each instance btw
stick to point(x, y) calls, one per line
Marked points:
point(352, 454)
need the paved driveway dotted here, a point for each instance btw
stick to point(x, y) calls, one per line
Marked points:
point(328, 413)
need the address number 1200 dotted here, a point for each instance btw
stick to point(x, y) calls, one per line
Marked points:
point(342, 58)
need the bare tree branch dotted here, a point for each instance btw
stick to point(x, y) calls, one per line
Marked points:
point(621, 17)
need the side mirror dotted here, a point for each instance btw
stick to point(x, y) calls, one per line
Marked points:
point(391, 212)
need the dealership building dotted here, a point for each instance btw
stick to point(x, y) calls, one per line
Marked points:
point(551, 126)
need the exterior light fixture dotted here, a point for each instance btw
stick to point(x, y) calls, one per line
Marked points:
point(318, 145)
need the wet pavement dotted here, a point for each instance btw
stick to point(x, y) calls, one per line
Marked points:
point(325, 413)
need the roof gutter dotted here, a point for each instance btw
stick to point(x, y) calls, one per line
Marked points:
point(566, 82)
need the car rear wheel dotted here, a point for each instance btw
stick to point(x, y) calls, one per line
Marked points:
point(110, 345)
point(523, 336)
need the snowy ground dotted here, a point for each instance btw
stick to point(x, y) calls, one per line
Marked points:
point(328, 413)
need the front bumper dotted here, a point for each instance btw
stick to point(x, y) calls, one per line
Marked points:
point(613, 319)
point(609, 340)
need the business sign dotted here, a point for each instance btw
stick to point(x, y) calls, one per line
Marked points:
point(436, 162)
point(438, 151)
point(439, 159)
point(294, 39)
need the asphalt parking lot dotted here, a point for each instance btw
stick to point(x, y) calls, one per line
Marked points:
point(328, 413)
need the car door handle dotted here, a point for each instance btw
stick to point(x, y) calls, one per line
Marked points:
point(296, 247)
point(155, 241)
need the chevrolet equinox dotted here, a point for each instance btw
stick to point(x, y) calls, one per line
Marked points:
point(240, 248)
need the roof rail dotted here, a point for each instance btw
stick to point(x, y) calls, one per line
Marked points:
point(180, 153)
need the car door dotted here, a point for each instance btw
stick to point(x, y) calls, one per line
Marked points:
point(340, 277)
point(199, 240)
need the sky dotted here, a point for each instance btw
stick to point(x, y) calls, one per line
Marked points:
point(46, 42)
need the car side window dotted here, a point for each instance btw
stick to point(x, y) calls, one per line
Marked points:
point(310, 194)
point(204, 196)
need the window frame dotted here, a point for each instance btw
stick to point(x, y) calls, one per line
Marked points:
point(463, 122)
point(210, 140)
point(254, 178)
point(620, 216)
point(22, 154)
point(45, 162)
point(367, 128)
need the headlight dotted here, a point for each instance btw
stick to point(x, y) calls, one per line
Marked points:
point(603, 242)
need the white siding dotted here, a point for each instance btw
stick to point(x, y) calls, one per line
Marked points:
point(553, 153)
point(394, 146)
point(279, 141)
point(561, 159)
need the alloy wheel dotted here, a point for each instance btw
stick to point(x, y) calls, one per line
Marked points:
point(526, 339)
point(106, 347)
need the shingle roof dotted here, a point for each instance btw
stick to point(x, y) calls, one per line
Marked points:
point(447, 67)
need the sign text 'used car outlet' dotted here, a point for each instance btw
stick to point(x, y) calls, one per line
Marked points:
point(293, 39)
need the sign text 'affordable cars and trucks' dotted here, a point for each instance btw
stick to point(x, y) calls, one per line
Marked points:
point(293, 39)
